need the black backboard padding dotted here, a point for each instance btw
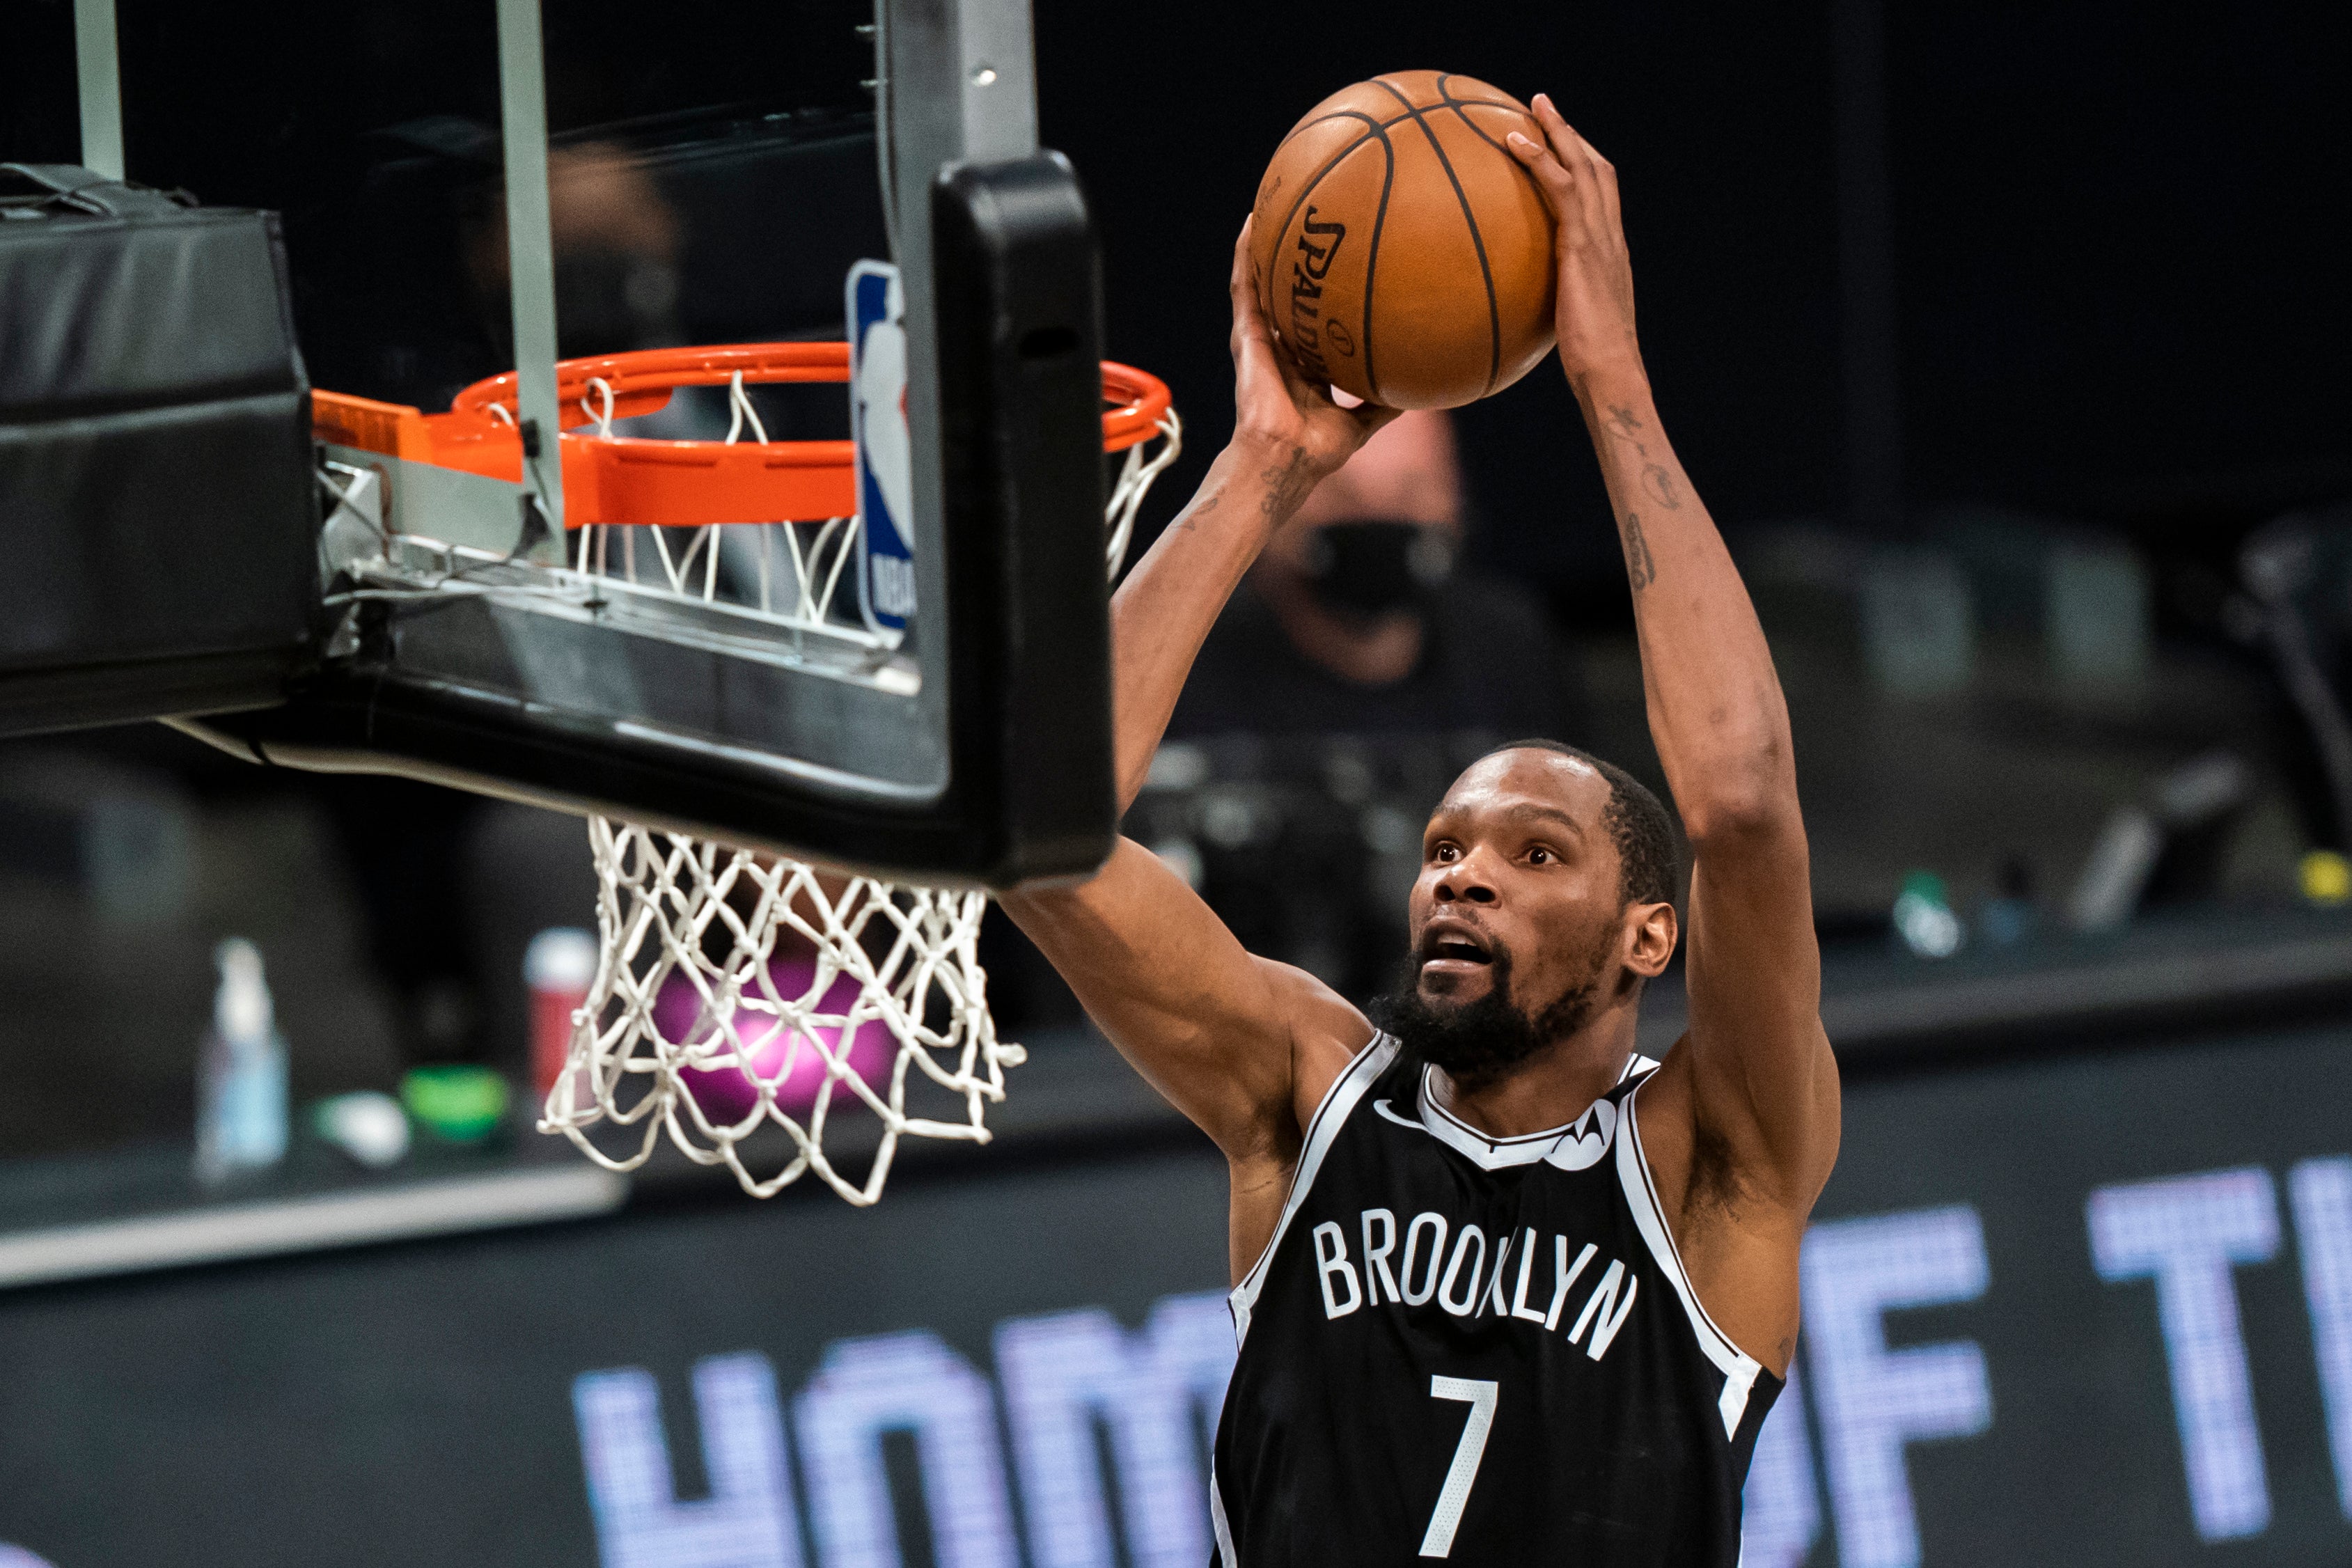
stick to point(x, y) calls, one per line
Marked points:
point(1014, 262)
point(158, 514)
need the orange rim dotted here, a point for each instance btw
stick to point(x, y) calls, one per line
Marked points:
point(636, 480)
point(1135, 401)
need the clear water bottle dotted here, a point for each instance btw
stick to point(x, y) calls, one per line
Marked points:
point(241, 1073)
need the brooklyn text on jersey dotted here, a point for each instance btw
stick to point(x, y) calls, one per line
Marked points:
point(1461, 1347)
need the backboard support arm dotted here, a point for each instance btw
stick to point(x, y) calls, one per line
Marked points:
point(531, 271)
point(98, 78)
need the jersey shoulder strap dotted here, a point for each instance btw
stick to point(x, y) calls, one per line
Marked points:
point(1339, 1102)
point(1738, 1368)
point(1637, 1067)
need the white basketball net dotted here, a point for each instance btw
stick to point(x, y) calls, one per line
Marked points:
point(744, 1004)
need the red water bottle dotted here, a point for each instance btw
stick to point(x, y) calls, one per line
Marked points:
point(559, 966)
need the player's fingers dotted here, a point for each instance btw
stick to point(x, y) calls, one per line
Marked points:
point(1600, 175)
point(1249, 314)
point(1248, 324)
point(1604, 180)
point(1566, 144)
point(1574, 153)
point(1564, 186)
point(1558, 165)
point(1552, 175)
point(1306, 396)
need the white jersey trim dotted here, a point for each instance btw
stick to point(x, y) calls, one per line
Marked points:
point(1323, 1127)
point(1497, 1154)
point(1527, 1148)
point(1738, 1368)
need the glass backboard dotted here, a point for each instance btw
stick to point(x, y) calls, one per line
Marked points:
point(584, 620)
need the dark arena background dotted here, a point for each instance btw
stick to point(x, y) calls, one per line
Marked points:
point(2006, 345)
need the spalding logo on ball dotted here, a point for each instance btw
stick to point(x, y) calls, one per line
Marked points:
point(1401, 254)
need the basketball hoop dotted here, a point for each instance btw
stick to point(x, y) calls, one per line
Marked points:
point(737, 992)
point(740, 994)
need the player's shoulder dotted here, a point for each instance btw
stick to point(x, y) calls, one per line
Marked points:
point(1325, 1030)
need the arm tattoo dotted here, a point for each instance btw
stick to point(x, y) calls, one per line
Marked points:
point(1661, 484)
point(1639, 568)
point(1623, 422)
point(1287, 486)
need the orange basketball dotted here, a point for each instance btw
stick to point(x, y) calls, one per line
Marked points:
point(1401, 252)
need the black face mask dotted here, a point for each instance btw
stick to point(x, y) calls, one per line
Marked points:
point(1376, 568)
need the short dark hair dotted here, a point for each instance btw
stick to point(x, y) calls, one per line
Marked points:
point(1635, 819)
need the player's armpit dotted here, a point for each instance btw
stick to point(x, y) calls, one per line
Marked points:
point(1740, 1123)
point(1223, 1035)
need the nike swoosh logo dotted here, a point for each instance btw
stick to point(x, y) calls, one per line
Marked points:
point(1382, 1107)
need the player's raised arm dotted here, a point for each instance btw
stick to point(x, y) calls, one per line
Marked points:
point(1215, 1029)
point(1760, 1081)
point(1288, 438)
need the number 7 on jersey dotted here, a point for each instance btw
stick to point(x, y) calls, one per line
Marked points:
point(1480, 1395)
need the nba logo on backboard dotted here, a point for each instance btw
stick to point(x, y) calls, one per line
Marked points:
point(878, 423)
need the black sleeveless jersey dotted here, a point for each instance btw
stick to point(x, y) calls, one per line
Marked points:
point(1487, 1352)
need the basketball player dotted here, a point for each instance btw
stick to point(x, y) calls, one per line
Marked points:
point(1507, 1292)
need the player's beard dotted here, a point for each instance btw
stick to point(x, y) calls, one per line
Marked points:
point(1480, 1042)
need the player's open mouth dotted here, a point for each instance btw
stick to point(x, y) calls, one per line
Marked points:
point(1455, 948)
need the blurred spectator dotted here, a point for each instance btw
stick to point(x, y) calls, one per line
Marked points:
point(1356, 671)
point(1358, 618)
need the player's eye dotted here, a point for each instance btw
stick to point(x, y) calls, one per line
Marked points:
point(1445, 854)
point(1539, 856)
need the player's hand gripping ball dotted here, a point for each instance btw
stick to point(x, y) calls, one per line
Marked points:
point(1401, 254)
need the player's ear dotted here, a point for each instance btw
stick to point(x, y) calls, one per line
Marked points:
point(1652, 933)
